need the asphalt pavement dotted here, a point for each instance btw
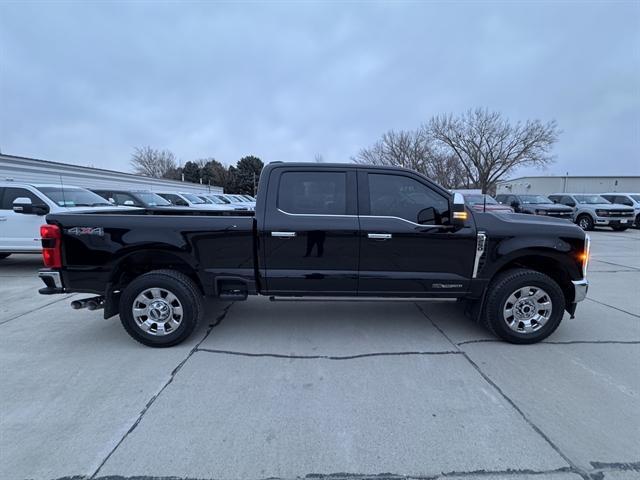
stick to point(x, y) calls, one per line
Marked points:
point(323, 390)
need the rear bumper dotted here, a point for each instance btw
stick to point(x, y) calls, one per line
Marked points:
point(53, 282)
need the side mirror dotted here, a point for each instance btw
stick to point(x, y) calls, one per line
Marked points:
point(427, 216)
point(459, 213)
point(23, 205)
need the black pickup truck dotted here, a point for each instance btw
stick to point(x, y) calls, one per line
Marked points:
point(320, 230)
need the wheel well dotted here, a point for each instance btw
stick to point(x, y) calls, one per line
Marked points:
point(145, 261)
point(549, 267)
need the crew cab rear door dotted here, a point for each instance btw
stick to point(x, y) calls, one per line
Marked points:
point(310, 233)
point(398, 255)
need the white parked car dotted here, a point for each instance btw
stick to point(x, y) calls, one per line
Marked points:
point(230, 201)
point(186, 199)
point(23, 207)
point(627, 199)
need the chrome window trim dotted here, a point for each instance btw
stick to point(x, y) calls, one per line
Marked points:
point(357, 216)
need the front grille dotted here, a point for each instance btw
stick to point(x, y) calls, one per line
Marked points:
point(560, 214)
point(621, 213)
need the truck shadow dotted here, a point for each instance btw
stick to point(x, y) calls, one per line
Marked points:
point(316, 328)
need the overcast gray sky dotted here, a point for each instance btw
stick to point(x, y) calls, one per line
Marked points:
point(87, 82)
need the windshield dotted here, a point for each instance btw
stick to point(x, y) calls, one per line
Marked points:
point(590, 199)
point(74, 197)
point(152, 199)
point(537, 199)
point(249, 197)
point(215, 200)
point(223, 199)
point(205, 199)
point(635, 197)
point(237, 198)
point(479, 199)
point(192, 198)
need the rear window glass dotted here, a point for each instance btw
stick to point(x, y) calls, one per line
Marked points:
point(322, 193)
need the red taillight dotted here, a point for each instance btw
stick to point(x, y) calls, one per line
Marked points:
point(51, 246)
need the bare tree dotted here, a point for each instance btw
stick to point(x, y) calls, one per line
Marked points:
point(416, 150)
point(318, 158)
point(488, 146)
point(153, 163)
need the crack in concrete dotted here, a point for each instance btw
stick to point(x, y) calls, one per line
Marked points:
point(162, 389)
point(559, 342)
point(329, 357)
point(508, 399)
point(615, 308)
point(633, 269)
point(596, 474)
point(36, 309)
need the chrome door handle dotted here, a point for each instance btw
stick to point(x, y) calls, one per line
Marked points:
point(283, 234)
point(379, 236)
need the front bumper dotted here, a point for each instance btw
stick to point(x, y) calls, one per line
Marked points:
point(53, 282)
point(614, 221)
point(580, 288)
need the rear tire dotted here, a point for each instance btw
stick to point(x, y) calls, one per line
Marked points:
point(535, 304)
point(161, 308)
point(4, 255)
point(585, 222)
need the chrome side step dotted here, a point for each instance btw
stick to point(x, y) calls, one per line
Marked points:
point(275, 298)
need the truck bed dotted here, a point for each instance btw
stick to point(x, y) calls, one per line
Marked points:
point(97, 246)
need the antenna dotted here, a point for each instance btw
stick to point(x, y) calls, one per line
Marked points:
point(64, 201)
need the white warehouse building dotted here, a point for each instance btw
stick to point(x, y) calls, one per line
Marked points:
point(569, 184)
point(34, 171)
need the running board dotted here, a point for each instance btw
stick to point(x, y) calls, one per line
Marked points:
point(275, 298)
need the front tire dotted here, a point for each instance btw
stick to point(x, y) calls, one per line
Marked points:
point(585, 222)
point(523, 306)
point(161, 308)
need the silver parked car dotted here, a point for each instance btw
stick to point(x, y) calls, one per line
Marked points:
point(592, 210)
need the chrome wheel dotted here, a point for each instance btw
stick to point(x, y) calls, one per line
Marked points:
point(527, 309)
point(584, 223)
point(157, 311)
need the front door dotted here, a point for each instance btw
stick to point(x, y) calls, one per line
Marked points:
point(310, 234)
point(400, 256)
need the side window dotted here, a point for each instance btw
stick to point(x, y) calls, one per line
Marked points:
point(11, 193)
point(321, 193)
point(623, 201)
point(500, 198)
point(174, 199)
point(121, 198)
point(568, 201)
point(403, 197)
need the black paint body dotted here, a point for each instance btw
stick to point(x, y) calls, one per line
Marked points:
point(329, 254)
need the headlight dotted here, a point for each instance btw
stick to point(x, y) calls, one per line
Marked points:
point(602, 213)
point(541, 212)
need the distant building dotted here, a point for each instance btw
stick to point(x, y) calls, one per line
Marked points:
point(572, 184)
point(34, 171)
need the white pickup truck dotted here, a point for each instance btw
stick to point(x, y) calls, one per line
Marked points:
point(23, 207)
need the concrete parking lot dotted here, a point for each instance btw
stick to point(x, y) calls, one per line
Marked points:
point(323, 390)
